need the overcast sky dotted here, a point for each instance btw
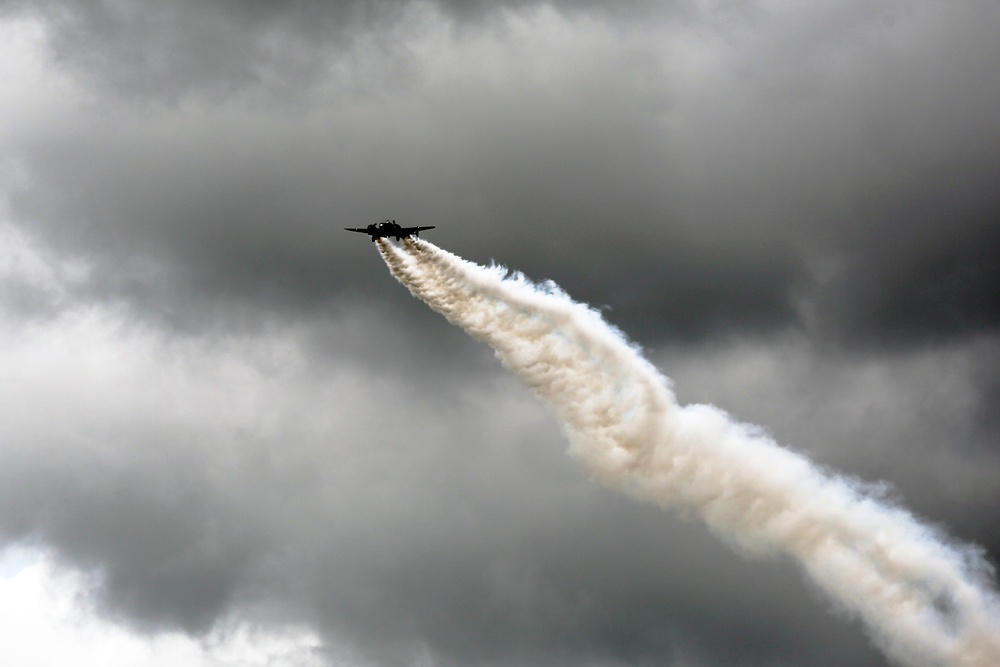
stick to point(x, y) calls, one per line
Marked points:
point(227, 434)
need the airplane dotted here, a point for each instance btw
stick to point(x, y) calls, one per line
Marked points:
point(387, 229)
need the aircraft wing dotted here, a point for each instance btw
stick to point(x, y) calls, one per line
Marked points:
point(414, 230)
point(354, 229)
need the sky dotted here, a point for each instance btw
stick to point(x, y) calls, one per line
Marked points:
point(229, 437)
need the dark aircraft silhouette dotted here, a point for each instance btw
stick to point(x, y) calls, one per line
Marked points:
point(388, 228)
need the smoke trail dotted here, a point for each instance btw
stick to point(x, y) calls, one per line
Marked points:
point(923, 601)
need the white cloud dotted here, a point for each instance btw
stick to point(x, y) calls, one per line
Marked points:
point(46, 620)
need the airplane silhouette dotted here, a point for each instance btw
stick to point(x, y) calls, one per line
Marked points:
point(387, 229)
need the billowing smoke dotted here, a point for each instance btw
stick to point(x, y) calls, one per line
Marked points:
point(923, 600)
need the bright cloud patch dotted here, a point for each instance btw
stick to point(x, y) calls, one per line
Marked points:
point(47, 620)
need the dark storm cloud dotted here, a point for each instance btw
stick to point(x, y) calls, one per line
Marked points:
point(199, 480)
point(222, 46)
point(163, 555)
point(707, 158)
point(262, 423)
point(234, 203)
point(166, 51)
point(921, 262)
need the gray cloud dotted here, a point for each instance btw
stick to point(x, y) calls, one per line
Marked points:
point(200, 480)
point(921, 265)
point(705, 160)
point(221, 47)
point(221, 406)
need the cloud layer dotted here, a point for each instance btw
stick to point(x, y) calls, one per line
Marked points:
point(219, 407)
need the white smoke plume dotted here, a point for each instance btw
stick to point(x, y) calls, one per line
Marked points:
point(924, 602)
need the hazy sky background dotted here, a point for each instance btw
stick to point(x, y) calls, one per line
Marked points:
point(227, 435)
